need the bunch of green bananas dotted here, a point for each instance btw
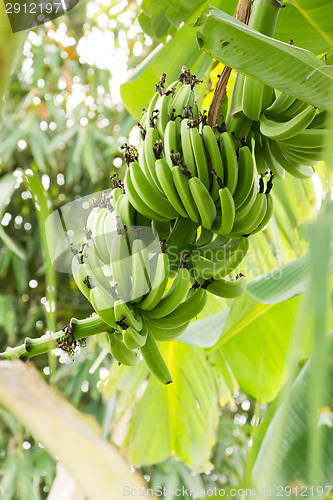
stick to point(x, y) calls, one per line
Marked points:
point(126, 279)
point(200, 195)
point(183, 169)
point(287, 133)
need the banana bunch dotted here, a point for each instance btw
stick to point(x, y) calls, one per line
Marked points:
point(288, 136)
point(126, 279)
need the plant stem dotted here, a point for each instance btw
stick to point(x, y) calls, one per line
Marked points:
point(242, 14)
point(67, 338)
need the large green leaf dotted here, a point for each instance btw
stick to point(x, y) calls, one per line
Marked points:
point(319, 14)
point(179, 419)
point(292, 25)
point(291, 69)
point(97, 467)
point(293, 424)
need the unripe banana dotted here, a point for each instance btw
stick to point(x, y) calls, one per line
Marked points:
point(187, 150)
point(229, 160)
point(181, 183)
point(193, 304)
point(200, 156)
point(226, 288)
point(280, 131)
point(214, 154)
point(174, 296)
point(102, 301)
point(204, 202)
point(134, 339)
point(120, 352)
point(140, 270)
point(245, 176)
point(162, 331)
point(158, 285)
point(165, 178)
point(154, 360)
point(80, 273)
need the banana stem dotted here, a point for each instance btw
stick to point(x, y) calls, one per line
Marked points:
point(181, 236)
point(68, 338)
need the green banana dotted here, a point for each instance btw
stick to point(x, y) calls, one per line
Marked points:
point(187, 147)
point(205, 237)
point(110, 228)
point(140, 270)
point(217, 270)
point(171, 141)
point(174, 296)
point(162, 331)
point(98, 236)
point(120, 260)
point(125, 315)
point(271, 162)
point(120, 352)
point(102, 301)
point(165, 178)
point(223, 223)
point(268, 214)
point(214, 154)
point(252, 219)
point(291, 166)
point(226, 288)
point(135, 199)
point(280, 105)
point(280, 131)
point(193, 304)
point(125, 211)
point(181, 183)
point(152, 136)
point(308, 139)
point(244, 209)
point(200, 156)
point(159, 284)
point(134, 339)
point(253, 94)
point(245, 176)
point(80, 273)
point(154, 360)
point(204, 202)
point(229, 160)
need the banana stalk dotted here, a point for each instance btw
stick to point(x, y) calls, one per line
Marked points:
point(76, 330)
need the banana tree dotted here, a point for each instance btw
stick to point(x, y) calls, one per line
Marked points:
point(196, 179)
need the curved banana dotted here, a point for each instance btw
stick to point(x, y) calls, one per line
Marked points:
point(268, 214)
point(252, 219)
point(280, 131)
point(206, 236)
point(171, 141)
point(245, 207)
point(229, 160)
point(181, 184)
point(280, 105)
point(204, 202)
point(214, 154)
point(152, 136)
point(253, 94)
point(120, 260)
point(165, 178)
point(120, 352)
point(125, 315)
point(291, 166)
point(162, 331)
point(102, 301)
point(134, 339)
point(193, 304)
point(200, 156)
point(226, 288)
point(308, 139)
point(140, 206)
point(140, 270)
point(223, 223)
point(163, 105)
point(93, 265)
point(187, 150)
point(125, 210)
point(271, 162)
point(181, 99)
point(80, 273)
point(174, 296)
point(154, 360)
point(159, 284)
point(218, 270)
point(245, 176)
point(98, 236)
point(110, 228)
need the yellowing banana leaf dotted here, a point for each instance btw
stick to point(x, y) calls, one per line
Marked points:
point(319, 14)
point(177, 420)
point(98, 468)
point(291, 69)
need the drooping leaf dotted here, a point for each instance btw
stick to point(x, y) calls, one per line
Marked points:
point(179, 419)
point(292, 70)
point(319, 15)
